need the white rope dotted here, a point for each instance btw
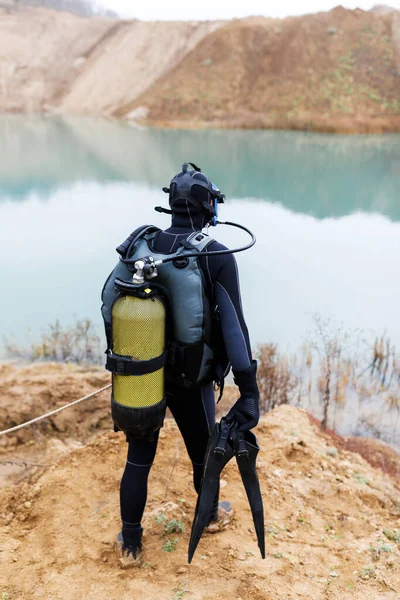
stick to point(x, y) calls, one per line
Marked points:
point(54, 412)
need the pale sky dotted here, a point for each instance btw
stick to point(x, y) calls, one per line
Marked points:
point(229, 9)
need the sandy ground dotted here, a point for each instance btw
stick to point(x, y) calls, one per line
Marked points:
point(332, 520)
point(29, 391)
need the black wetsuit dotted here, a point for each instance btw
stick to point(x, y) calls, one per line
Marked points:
point(193, 409)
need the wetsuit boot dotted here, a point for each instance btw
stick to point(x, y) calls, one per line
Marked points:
point(221, 518)
point(129, 547)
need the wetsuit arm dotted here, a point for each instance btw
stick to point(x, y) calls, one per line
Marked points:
point(234, 328)
point(236, 337)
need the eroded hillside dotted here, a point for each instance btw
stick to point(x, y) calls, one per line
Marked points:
point(332, 520)
point(54, 61)
point(334, 71)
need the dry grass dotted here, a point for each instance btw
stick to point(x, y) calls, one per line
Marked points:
point(340, 378)
point(77, 344)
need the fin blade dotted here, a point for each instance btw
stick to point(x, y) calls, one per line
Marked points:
point(248, 472)
point(213, 466)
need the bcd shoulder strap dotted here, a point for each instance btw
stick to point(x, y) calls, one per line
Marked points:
point(140, 232)
point(198, 241)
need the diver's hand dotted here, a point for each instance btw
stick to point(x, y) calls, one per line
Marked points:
point(246, 410)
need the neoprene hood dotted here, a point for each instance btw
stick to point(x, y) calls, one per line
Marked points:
point(192, 186)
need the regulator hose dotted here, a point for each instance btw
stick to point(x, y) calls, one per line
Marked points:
point(132, 261)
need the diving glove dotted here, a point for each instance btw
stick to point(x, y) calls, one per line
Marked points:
point(246, 410)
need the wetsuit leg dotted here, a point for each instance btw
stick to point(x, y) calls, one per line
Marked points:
point(194, 413)
point(133, 490)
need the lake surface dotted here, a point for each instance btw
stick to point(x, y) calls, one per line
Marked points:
point(325, 210)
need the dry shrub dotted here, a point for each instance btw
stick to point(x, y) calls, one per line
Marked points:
point(276, 382)
point(77, 344)
point(385, 364)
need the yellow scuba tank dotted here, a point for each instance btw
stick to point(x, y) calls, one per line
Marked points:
point(137, 359)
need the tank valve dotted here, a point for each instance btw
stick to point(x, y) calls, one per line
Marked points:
point(145, 268)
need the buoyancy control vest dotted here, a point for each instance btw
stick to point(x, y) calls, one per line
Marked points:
point(192, 354)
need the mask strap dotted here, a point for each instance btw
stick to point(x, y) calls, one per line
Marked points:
point(186, 164)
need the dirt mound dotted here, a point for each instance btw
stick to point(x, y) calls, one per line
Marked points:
point(58, 62)
point(27, 392)
point(30, 391)
point(40, 53)
point(335, 71)
point(134, 56)
point(332, 525)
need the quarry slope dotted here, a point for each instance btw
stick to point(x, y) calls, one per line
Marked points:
point(335, 71)
point(332, 520)
point(53, 61)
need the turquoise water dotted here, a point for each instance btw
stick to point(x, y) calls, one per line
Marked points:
point(325, 209)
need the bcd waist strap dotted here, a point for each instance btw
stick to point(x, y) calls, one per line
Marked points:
point(126, 365)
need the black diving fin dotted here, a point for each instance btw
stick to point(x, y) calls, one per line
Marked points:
point(219, 452)
point(224, 443)
point(246, 450)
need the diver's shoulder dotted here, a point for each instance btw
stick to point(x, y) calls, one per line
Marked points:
point(215, 246)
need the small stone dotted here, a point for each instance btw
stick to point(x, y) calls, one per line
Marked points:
point(181, 571)
point(27, 504)
point(105, 559)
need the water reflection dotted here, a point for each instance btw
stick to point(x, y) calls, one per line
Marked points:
point(325, 211)
point(55, 256)
point(319, 175)
point(100, 179)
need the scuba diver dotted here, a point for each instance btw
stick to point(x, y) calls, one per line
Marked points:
point(181, 290)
